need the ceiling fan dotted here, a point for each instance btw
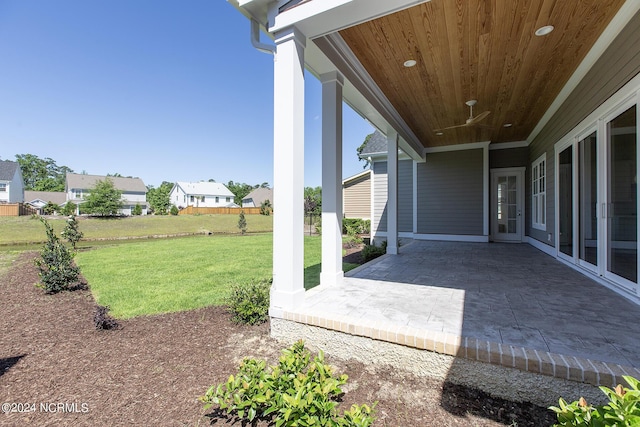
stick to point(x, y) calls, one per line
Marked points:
point(471, 121)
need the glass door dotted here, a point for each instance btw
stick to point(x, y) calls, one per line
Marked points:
point(507, 199)
point(565, 201)
point(621, 208)
point(588, 201)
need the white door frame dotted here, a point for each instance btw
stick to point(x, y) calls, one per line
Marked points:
point(519, 173)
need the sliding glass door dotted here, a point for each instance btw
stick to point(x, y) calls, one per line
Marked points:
point(588, 201)
point(621, 208)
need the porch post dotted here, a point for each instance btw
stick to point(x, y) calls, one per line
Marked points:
point(332, 273)
point(287, 290)
point(392, 192)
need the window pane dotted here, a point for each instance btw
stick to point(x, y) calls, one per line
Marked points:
point(565, 198)
point(588, 199)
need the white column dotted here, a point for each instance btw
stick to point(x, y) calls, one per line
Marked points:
point(287, 291)
point(332, 273)
point(392, 192)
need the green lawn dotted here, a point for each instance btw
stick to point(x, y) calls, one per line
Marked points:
point(161, 276)
point(6, 259)
point(25, 229)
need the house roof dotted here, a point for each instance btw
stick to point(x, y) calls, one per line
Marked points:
point(375, 145)
point(8, 170)
point(57, 197)
point(81, 181)
point(204, 188)
point(259, 195)
point(356, 176)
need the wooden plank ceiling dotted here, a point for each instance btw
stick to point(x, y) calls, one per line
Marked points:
point(478, 49)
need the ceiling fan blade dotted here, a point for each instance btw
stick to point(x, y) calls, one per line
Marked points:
point(453, 127)
point(479, 117)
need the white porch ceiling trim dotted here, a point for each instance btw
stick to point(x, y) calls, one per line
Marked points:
point(507, 145)
point(617, 24)
point(321, 17)
point(340, 55)
point(457, 147)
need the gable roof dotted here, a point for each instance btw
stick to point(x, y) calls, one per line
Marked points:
point(57, 197)
point(377, 144)
point(259, 195)
point(205, 188)
point(8, 169)
point(80, 181)
point(362, 175)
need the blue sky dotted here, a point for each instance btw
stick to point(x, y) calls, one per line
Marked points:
point(164, 90)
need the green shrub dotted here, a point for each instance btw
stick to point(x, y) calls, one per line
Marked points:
point(249, 302)
point(242, 223)
point(68, 209)
point(174, 210)
point(55, 266)
point(297, 392)
point(623, 408)
point(370, 252)
point(50, 208)
point(137, 210)
point(266, 208)
point(71, 231)
point(356, 226)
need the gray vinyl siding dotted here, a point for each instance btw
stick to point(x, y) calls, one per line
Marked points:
point(450, 193)
point(405, 196)
point(379, 197)
point(357, 198)
point(619, 64)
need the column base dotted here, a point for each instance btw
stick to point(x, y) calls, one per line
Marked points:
point(281, 301)
point(331, 279)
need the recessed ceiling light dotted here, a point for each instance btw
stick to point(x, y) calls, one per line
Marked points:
point(439, 133)
point(543, 31)
point(410, 63)
point(507, 125)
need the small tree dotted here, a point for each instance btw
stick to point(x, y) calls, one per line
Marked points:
point(265, 208)
point(137, 210)
point(50, 208)
point(174, 210)
point(242, 223)
point(71, 231)
point(104, 200)
point(56, 268)
point(68, 209)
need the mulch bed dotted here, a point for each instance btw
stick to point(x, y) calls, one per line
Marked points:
point(151, 370)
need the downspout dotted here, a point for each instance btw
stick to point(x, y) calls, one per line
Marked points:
point(255, 39)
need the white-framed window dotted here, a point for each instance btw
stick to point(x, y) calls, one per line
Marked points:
point(3, 187)
point(539, 193)
point(228, 199)
point(217, 199)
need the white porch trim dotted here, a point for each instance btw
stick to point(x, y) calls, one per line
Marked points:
point(332, 208)
point(392, 192)
point(287, 291)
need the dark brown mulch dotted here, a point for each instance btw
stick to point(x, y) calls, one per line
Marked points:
point(152, 369)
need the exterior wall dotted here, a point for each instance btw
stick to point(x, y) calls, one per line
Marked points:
point(16, 188)
point(405, 196)
point(450, 193)
point(509, 158)
point(357, 198)
point(248, 203)
point(4, 195)
point(179, 198)
point(619, 64)
point(379, 222)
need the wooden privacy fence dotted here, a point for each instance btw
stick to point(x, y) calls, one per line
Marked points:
point(16, 209)
point(191, 210)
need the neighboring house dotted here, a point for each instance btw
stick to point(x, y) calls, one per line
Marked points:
point(257, 197)
point(356, 195)
point(508, 130)
point(11, 184)
point(201, 195)
point(134, 192)
point(39, 199)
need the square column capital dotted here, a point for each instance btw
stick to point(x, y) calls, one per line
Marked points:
point(332, 76)
point(290, 33)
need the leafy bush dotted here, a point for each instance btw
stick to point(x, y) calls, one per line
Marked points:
point(68, 209)
point(55, 266)
point(297, 392)
point(242, 223)
point(623, 408)
point(71, 231)
point(249, 302)
point(137, 210)
point(50, 208)
point(103, 320)
point(356, 226)
point(266, 208)
point(370, 252)
point(174, 210)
